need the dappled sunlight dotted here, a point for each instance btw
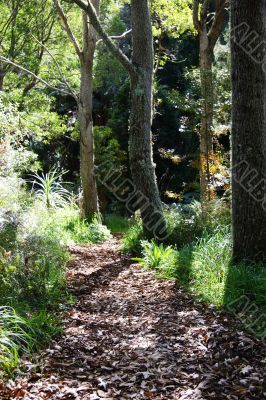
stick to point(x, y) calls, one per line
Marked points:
point(131, 335)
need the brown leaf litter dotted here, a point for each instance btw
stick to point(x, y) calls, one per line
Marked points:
point(132, 336)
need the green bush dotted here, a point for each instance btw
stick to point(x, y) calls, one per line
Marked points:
point(187, 224)
point(84, 232)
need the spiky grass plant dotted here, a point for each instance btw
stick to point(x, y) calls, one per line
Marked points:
point(49, 188)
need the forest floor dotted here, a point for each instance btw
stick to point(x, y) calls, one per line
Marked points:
point(130, 335)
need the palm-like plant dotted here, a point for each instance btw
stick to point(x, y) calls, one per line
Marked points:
point(50, 188)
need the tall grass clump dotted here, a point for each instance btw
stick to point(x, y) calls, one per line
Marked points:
point(15, 336)
point(133, 238)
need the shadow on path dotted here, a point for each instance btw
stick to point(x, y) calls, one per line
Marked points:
point(133, 336)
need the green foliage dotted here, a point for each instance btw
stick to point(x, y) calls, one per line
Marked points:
point(84, 232)
point(188, 224)
point(171, 16)
point(156, 256)
point(15, 335)
point(116, 223)
point(132, 239)
point(14, 155)
point(107, 148)
point(22, 334)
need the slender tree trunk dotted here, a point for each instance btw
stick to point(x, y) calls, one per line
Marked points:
point(90, 204)
point(147, 197)
point(206, 136)
point(140, 136)
point(249, 129)
point(209, 32)
point(2, 77)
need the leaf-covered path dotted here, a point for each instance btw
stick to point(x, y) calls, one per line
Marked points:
point(132, 336)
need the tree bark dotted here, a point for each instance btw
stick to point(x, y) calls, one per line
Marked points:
point(2, 77)
point(249, 129)
point(208, 37)
point(140, 136)
point(206, 134)
point(147, 197)
point(90, 205)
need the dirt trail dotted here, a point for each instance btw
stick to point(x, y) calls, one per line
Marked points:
point(132, 336)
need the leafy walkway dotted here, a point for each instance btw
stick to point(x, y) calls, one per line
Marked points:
point(132, 336)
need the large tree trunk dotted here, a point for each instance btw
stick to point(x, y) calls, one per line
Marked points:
point(140, 136)
point(90, 204)
point(249, 129)
point(206, 137)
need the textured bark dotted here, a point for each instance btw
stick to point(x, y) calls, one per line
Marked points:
point(206, 129)
point(140, 136)
point(208, 36)
point(147, 197)
point(90, 204)
point(249, 130)
point(2, 77)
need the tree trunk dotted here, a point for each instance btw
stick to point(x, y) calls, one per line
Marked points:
point(2, 77)
point(206, 137)
point(249, 129)
point(90, 205)
point(140, 136)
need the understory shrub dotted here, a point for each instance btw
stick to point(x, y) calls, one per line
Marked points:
point(156, 256)
point(84, 232)
point(186, 224)
point(15, 336)
point(133, 237)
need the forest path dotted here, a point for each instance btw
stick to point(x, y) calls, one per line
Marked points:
point(132, 336)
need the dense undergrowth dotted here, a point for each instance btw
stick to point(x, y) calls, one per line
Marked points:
point(35, 230)
point(197, 254)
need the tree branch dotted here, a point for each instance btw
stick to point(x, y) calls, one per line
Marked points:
point(196, 20)
point(119, 37)
point(94, 20)
point(20, 67)
point(122, 36)
point(67, 27)
point(74, 94)
point(217, 24)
